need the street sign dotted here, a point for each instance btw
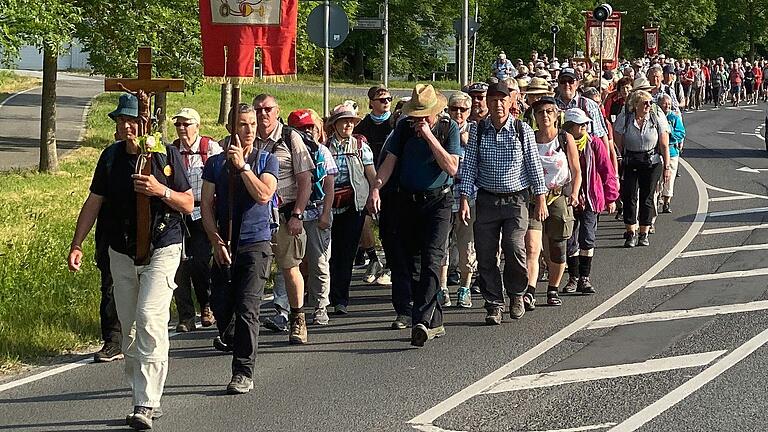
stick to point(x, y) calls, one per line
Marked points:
point(369, 24)
point(473, 26)
point(338, 26)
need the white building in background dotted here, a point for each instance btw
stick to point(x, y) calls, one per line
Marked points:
point(31, 58)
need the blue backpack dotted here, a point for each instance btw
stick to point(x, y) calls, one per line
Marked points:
point(318, 157)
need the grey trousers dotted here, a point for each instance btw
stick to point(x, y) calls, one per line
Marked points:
point(505, 218)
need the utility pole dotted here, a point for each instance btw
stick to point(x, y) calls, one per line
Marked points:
point(463, 81)
point(385, 32)
point(327, 55)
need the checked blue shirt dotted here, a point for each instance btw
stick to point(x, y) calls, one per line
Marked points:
point(500, 164)
point(599, 129)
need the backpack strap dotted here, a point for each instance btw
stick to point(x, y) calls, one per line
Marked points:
point(204, 142)
point(562, 142)
point(286, 138)
point(520, 134)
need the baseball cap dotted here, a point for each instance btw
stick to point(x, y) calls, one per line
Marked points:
point(476, 87)
point(576, 115)
point(498, 88)
point(376, 90)
point(669, 69)
point(300, 118)
point(569, 72)
point(544, 100)
point(189, 114)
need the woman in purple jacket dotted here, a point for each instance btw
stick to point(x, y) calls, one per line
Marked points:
point(599, 191)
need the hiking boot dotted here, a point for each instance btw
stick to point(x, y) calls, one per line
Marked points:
point(141, 418)
point(630, 239)
point(206, 316)
point(570, 287)
point(298, 326)
point(321, 317)
point(516, 307)
point(529, 301)
point(185, 325)
point(109, 352)
point(585, 286)
point(156, 414)
point(277, 323)
point(372, 272)
point(444, 297)
point(421, 334)
point(385, 278)
point(494, 316)
point(401, 322)
point(642, 239)
point(240, 384)
point(220, 345)
point(464, 298)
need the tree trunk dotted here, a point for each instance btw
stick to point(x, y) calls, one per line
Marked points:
point(225, 101)
point(161, 104)
point(359, 65)
point(48, 158)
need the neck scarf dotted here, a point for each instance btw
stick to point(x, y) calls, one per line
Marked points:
point(581, 143)
point(380, 118)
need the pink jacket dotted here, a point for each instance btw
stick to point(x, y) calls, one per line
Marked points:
point(602, 186)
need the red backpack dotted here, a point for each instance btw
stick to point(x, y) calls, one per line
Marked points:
point(202, 150)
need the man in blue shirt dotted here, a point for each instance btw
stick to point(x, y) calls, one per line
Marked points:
point(425, 148)
point(501, 158)
point(239, 272)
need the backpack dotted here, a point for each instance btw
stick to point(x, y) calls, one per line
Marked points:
point(319, 173)
point(202, 150)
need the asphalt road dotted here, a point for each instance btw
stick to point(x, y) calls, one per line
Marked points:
point(672, 341)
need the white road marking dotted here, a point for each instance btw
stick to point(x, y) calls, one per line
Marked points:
point(675, 396)
point(571, 376)
point(725, 250)
point(431, 428)
point(582, 428)
point(734, 229)
point(727, 132)
point(46, 374)
point(427, 417)
point(733, 192)
point(9, 98)
point(679, 314)
point(739, 212)
point(752, 110)
point(704, 277)
point(735, 198)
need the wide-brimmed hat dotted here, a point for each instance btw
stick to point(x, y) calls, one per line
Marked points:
point(641, 84)
point(128, 106)
point(538, 86)
point(343, 112)
point(425, 101)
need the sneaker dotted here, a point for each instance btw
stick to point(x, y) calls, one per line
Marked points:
point(141, 418)
point(277, 323)
point(401, 322)
point(494, 316)
point(186, 325)
point(516, 307)
point(464, 299)
point(220, 345)
point(570, 287)
point(321, 317)
point(444, 297)
point(109, 352)
point(361, 261)
point(642, 239)
point(585, 286)
point(340, 309)
point(372, 272)
point(665, 208)
point(454, 278)
point(240, 384)
point(421, 334)
point(385, 278)
point(298, 326)
point(206, 316)
point(156, 414)
point(630, 239)
point(529, 301)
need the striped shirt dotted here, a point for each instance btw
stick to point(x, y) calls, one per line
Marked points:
point(501, 163)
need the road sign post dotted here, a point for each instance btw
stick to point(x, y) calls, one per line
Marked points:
point(327, 27)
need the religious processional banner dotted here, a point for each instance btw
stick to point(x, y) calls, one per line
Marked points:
point(611, 39)
point(651, 41)
point(242, 26)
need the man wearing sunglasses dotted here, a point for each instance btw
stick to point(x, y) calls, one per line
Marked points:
point(477, 92)
point(195, 268)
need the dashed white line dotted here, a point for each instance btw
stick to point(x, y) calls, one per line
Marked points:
point(571, 376)
point(734, 229)
point(582, 428)
point(673, 315)
point(736, 198)
point(739, 212)
point(683, 280)
point(724, 250)
point(726, 132)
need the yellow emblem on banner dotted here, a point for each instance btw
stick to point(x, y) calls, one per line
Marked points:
point(167, 170)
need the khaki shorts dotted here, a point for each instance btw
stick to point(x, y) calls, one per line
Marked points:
point(289, 250)
point(559, 225)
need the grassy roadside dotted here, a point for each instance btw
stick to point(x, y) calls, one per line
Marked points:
point(11, 83)
point(44, 309)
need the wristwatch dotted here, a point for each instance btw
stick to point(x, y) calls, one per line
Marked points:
point(246, 167)
point(167, 193)
point(299, 216)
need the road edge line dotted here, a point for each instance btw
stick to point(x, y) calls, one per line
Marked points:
point(9, 98)
point(429, 416)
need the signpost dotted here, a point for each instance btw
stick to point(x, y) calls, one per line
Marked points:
point(327, 27)
point(464, 28)
point(368, 24)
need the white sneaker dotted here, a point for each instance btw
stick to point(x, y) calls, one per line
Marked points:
point(385, 278)
point(372, 272)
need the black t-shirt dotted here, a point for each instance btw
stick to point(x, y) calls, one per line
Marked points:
point(112, 180)
point(376, 134)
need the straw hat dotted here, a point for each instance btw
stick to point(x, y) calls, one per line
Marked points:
point(539, 86)
point(425, 101)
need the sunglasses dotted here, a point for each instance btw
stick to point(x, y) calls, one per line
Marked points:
point(647, 103)
point(545, 111)
point(384, 99)
point(566, 81)
point(186, 125)
point(265, 110)
point(458, 109)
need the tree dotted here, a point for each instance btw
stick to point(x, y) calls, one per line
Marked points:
point(741, 28)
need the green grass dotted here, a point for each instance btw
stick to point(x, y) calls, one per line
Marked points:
point(44, 309)
point(11, 83)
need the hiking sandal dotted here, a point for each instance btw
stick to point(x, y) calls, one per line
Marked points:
point(553, 299)
point(529, 301)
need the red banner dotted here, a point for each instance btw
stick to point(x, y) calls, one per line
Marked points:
point(651, 41)
point(242, 26)
point(611, 39)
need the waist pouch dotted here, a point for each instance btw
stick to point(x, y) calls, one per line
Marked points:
point(641, 160)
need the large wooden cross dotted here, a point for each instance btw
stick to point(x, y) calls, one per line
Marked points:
point(144, 87)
